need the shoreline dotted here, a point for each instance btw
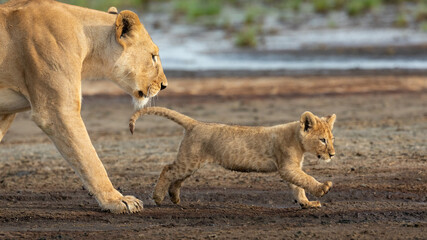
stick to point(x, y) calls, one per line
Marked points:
point(273, 86)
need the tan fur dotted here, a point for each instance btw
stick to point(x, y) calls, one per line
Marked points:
point(47, 48)
point(259, 149)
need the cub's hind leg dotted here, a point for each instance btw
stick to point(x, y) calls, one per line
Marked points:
point(173, 175)
point(182, 174)
point(171, 179)
point(175, 190)
point(163, 184)
point(301, 198)
point(5, 122)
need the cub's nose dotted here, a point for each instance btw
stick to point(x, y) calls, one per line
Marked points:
point(331, 155)
point(163, 86)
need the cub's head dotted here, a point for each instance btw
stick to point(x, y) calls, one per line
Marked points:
point(137, 67)
point(316, 135)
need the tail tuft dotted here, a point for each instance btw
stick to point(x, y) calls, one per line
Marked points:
point(131, 127)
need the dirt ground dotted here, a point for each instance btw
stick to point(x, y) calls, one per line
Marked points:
point(379, 173)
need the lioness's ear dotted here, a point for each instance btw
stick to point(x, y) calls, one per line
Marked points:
point(331, 120)
point(307, 121)
point(112, 10)
point(127, 26)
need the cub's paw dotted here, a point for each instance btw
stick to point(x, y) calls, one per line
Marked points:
point(175, 198)
point(310, 204)
point(125, 204)
point(158, 198)
point(174, 195)
point(323, 189)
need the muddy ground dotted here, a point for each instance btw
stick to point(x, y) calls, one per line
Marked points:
point(379, 173)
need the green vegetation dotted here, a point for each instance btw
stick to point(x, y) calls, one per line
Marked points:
point(253, 15)
point(193, 9)
point(357, 7)
point(322, 6)
point(325, 6)
point(105, 4)
point(421, 13)
point(294, 5)
point(247, 37)
point(401, 21)
point(423, 26)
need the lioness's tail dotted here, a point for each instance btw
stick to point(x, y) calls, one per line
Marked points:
point(177, 117)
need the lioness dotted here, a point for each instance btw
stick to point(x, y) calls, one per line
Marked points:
point(47, 48)
point(248, 149)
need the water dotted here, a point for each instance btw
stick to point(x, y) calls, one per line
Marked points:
point(189, 50)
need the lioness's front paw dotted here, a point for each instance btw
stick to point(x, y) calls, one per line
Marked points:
point(323, 189)
point(310, 204)
point(125, 204)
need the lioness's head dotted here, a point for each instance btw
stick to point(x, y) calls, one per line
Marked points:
point(137, 68)
point(316, 135)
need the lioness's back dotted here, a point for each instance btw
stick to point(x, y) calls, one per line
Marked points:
point(19, 4)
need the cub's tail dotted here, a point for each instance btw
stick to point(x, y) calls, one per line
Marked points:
point(177, 117)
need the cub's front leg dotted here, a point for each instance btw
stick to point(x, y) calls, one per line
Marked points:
point(301, 198)
point(294, 175)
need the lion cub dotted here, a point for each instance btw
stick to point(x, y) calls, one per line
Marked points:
point(259, 149)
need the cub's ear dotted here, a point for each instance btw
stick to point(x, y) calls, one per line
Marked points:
point(331, 120)
point(112, 10)
point(128, 27)
point(307, 121)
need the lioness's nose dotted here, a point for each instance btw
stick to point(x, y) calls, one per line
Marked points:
point(163, 86)
point(331, 155)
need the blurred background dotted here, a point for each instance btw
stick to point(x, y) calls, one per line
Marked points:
point(276, 37)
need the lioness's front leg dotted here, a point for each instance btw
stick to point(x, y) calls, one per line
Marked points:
point(68, 133)
point(55, 107)
point(5, 122)
point(294, 174)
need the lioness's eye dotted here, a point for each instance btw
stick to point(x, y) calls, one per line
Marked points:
point(323, 140)
point(154, 58)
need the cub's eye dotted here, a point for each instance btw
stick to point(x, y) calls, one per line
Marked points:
point(154, 58)
point(323, 140)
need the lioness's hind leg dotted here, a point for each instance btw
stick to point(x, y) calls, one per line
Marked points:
point(301, 198)
point(5, 122)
